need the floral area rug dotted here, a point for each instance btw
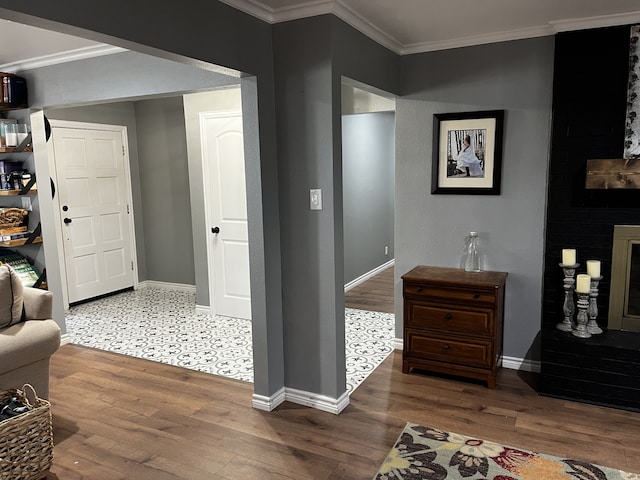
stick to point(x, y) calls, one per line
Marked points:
point(425, 453)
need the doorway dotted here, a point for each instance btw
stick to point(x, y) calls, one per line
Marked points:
point(226, 209)
point(215, 143)
point(368, 175)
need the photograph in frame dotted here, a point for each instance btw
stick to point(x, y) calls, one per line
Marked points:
point(467, 152)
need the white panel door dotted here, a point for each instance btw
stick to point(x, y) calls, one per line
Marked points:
point(226, 210)
point(92, 193)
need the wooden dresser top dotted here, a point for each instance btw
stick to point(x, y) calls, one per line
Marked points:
point(455, 276)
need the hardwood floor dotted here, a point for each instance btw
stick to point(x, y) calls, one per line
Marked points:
point(376, 294)
point(117, 417)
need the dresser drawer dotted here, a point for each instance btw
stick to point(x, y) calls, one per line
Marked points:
point(452, 320)
point(449, 349)
point(468, 296)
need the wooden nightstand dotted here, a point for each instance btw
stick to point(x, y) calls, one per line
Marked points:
point(453, 322)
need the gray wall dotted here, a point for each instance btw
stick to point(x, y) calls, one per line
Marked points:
point(297, 299)
point(203, 33)
point(120, 113)
point(122, 76)
point(164, 182)
point(430, 229)
point(305, 150)
point(311, 56)
point(368, 169)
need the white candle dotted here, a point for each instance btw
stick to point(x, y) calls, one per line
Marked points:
point(593, 268)
point(583, 283)
point(568, 256)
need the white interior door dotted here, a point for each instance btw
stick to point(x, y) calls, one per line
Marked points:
point(93, 198)
point(226, 211)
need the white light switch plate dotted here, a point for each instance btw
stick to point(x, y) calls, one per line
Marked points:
point(315, 199)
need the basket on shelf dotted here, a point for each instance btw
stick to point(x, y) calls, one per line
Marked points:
point(26, 441)
point(12, 217)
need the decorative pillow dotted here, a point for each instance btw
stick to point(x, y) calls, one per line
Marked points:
point(10, 297)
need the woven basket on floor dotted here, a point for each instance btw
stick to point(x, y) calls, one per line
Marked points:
point(26, 441)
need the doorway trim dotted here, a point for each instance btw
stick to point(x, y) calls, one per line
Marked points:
point(56, 201)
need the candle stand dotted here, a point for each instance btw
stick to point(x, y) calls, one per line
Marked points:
point(583, 317)
point(592, 325)
point(568, 308)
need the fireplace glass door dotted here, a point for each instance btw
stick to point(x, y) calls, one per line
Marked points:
point(624, 298)
point(632, 303)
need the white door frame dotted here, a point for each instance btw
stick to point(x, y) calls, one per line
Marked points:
point(208, 214)
point(58, 208)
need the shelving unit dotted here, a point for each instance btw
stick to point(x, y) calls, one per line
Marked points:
point(28, 247)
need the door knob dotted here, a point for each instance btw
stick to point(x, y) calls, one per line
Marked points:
point(67, 221)
point(65, 208)
point(215, 230)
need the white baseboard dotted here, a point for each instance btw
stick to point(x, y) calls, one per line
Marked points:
point(368, 275)
point(300, 397)
point(268, 404)
point(320, 402)
point(515, 363)
point(167, 286)
point(203, 309)
point(65, 339)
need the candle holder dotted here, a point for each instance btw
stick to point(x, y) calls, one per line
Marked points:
point(583, 317)
point(568, 308)
point(592, 325)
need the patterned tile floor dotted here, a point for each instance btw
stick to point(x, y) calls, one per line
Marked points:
point(161, 325)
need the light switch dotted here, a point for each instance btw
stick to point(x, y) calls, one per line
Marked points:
point(315, 199)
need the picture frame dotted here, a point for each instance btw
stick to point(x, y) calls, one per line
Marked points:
point(467, 153)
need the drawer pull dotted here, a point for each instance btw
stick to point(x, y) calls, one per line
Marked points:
point(419, 289)
point(446, 347)
point(476, 295)
point(448, 316)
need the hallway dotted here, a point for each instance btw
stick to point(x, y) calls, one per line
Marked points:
point(160, 324)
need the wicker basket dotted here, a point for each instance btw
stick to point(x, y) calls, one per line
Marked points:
point(26, 441)
point(13, 217)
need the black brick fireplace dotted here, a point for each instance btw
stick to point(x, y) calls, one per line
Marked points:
point(589, 110)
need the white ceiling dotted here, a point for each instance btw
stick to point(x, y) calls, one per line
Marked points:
point(405, 26)
point(24, 47)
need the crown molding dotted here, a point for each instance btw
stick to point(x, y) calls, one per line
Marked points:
point(304, 10)
point(63, 57)
point(357, 21)
point(253, 8)
point(315, 8)
point(613, 20)
point(518, 34)
point(360, 23)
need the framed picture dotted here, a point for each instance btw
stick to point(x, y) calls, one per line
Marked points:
point(467, 153)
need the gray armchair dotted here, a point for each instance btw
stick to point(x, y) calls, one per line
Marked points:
point(26, 347)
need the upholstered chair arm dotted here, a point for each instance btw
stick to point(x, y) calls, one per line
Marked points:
point(38, 304)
